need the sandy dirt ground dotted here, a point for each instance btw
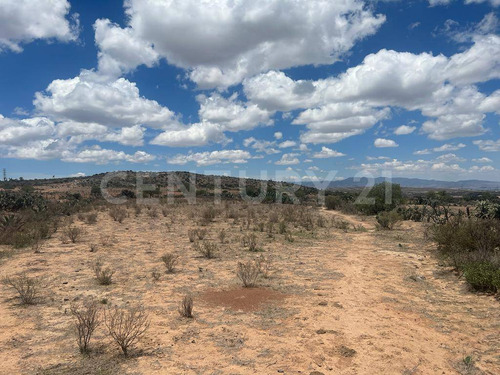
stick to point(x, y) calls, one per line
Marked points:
point(360, 301)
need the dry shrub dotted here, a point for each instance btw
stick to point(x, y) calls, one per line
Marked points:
point(270, 229)
point(27, 287)
point(360, 228)
point(186, 307)
point(222, 236)
point(201, 233)
point(289, 237)
point(87, 319)
point(208, 214)
point(164, 211)
point(156, 275)
point(90, 218)
point(207, 249)
point(321, 221)
point(107, 240)
point(126, 326)
point(264, 265)
point(118, 213)
point(282, 227)
point(192, 235)
point(37, 243)
point(170, 260)
point(248, 273)
point(152, 212)
point(197, 233)
point(273, 216)
point(231, 213)
point(387, 219)
point(93, 247)
point(250, 241)
point(341, 224)
point(137, 210)
point(72, 234)
point(103, 275)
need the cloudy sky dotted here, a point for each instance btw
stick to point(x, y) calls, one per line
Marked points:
point(286, 89)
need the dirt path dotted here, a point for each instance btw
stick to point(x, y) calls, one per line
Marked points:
point(359, 302)
point(400, 314)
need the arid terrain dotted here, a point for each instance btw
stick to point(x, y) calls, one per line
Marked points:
point(338, 298)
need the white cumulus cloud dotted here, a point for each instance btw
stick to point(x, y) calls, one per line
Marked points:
point(381, 142)
point(210, 158)
point(327, 153)
point(22, 21)
point(221, 42)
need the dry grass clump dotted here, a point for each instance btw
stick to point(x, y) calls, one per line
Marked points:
point(341, 224)
point(72, 234)
point(208, 215)
point(192, 235)
point(206, 248)
point(90, 218)
point(152, 212)
point(248, 273)
point(165, 211)
point(222, 235)
point(186, 307)
point(87, 319)
point(264, 265)
point(103, 275)
point(170, 260)
point(36, 244)
point(270, 229)
point(282, 227)
point(28, 288)
point(321, 221)
point(126, 326)
point(198, 233)
point(156, 275)
point(118, 213)
point(107, 240)
point(250, 241)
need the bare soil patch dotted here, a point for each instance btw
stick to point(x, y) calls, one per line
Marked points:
point(243, 299)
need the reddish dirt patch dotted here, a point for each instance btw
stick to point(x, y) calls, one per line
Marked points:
point(244, 299)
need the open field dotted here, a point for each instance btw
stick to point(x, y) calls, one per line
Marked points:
point(335, 300)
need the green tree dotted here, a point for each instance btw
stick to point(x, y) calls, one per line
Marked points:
point(384, 197)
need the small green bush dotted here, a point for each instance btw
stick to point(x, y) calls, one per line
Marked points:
point(484, 276)
point(380, 195)
point(387, 219)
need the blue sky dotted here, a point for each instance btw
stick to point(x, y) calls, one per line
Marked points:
point(280, 89)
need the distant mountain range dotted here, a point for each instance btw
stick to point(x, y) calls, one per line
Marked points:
point(232, 183)
point(416, 183)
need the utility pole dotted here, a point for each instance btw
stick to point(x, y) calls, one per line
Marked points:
point(5, 174)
